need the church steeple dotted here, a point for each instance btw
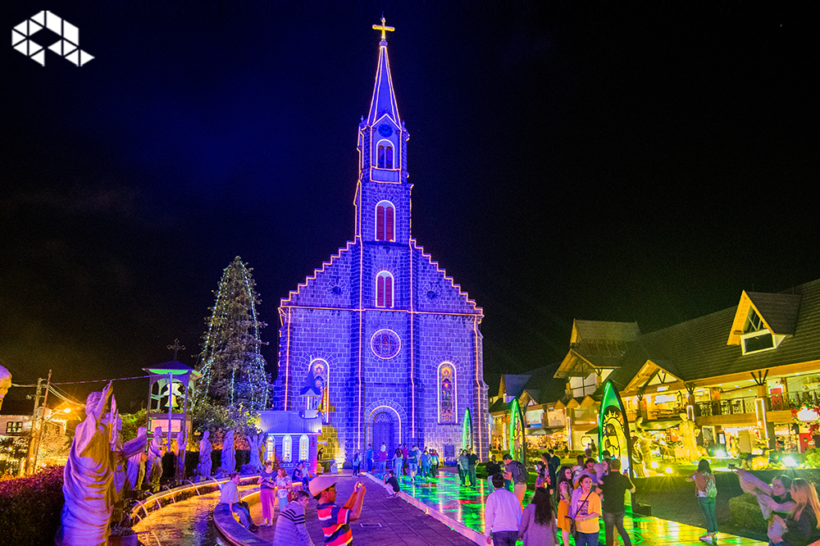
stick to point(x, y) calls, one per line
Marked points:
point(384, 99)
point(383, 193)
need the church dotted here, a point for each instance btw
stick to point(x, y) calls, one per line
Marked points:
point(379, 342)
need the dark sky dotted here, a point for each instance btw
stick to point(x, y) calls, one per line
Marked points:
point(623, 168)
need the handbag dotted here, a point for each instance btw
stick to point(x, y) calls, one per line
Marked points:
point(572, 526)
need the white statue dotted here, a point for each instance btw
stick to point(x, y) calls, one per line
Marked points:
point(182, 445)
point(228, 456)
point(134, 450)
point(689, 433)
point(255, 441)
point(5, 383)
point(88, 479)
point(204, 467)
point(155, 460)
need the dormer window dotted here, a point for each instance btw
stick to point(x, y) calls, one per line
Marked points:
point(385, 216)
point(756, 337)
point(385, 155)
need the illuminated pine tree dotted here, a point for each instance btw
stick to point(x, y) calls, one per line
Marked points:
point(232, 368)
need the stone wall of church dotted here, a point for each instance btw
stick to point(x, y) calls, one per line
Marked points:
point(446, 338)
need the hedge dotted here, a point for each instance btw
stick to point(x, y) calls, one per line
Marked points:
point(746, 513)
point(30, 507)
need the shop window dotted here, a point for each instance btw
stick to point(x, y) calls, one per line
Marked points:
point(13, 427)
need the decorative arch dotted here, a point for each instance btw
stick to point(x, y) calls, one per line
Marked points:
point(395, 410)
point(447, 399)
point(320, 369)
point(304, 443)
point(384, 154)
point(287, 449)
point(385, 221)
point(385, 289)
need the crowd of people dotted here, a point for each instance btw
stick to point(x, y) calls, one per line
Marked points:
point(568, 500)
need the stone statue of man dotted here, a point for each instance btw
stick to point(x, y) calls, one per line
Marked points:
point(88, 479)
point(204, 466)
point(155, 452)
point(134, 450)
point(228, 456)
point(255, 442)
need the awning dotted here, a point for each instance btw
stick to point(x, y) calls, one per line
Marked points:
point(660, 424)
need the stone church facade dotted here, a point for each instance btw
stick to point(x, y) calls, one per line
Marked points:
point(380, 340)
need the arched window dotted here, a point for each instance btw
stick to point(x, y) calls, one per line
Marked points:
point(385, 216)
point(385, 155)
point(303, 447)
point(446, 393)
point(287, 449)
point(384, 289)
point(321, 375)
point(270, 447)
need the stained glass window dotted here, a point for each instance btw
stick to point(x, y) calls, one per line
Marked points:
point(385, 344)
point(303, 447)
point(321, 374)
point(446, 393)
point(287, 449)
point(270, 447)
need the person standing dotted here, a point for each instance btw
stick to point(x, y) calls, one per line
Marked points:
point(436, 460)
point(368, 457)
point(290, 527)
point(413, 463)
point(706, 491)
point(463, 467)
point(283, 484)
point(357, 461)
point(586, 515)
point(564, 502)
point(398, 462)
point(404, 453)
point(517, 474)
point(425, 465)
point(336, 520)
point(492, 468)
point(538, 521)
point(502, 515)
point(382, 460)
point(472, 463)
point(267, 487)
point(614, 487)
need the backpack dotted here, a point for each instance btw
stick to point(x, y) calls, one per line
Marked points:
point(522, 472)
point(711, 488)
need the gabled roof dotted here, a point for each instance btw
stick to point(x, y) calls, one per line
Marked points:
point(778, 312)
point(599, 330)
point(513, 384)
point(697, 348)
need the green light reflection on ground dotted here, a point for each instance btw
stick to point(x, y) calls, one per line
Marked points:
point(466, 505)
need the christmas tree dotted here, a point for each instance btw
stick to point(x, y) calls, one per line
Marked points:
point(232, 368)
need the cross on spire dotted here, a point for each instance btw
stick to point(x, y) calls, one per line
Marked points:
point(176, 347)
point(384, 30)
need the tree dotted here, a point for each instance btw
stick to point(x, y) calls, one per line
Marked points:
point(232, 368)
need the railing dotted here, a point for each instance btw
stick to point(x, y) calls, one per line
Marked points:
point(731, 406)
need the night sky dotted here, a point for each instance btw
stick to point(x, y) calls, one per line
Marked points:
point(625, 168)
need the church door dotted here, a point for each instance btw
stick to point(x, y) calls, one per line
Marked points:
point(383, 431)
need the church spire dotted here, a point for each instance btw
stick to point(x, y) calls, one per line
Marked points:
point(384, 100)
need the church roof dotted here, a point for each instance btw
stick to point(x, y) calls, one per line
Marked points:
point(384, 99)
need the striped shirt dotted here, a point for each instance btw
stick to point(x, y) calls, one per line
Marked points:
point(335, 524)
point(290, 527)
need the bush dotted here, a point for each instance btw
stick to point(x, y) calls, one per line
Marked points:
point(30, 507)
point(746, 513)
